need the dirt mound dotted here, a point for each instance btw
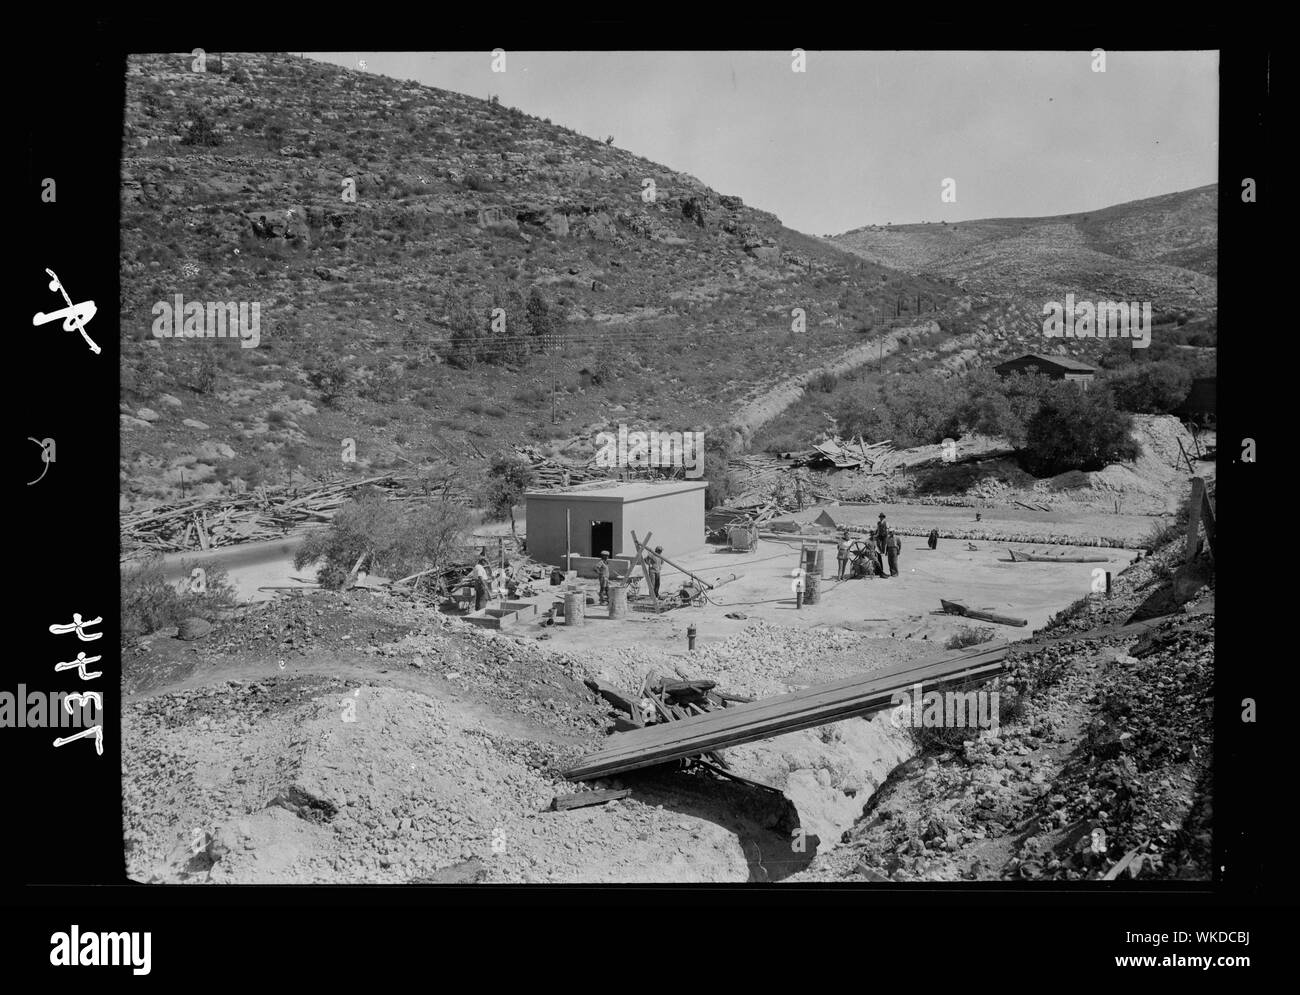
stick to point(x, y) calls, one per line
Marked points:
point(366, 783)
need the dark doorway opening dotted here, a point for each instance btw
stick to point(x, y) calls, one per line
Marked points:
point(602, 538)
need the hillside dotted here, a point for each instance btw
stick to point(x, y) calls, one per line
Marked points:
point(674, 312)
point(1162, 249)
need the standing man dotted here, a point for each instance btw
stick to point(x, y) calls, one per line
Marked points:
point(893, 546)
point(842, 553)
point(481, 578)
point(602, 576)
point(882, 533)
point(653, 564)
point(934, 539)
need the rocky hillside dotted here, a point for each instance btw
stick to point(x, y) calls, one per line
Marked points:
point(1162, 249)
point(358, 211)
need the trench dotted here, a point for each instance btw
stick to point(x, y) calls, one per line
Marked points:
point(828, 775)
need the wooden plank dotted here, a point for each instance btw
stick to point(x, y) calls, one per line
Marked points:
point(645, 570)
point(784, 713)
point(1194, 509)
point(581, 799)
point(958, 608)
point(615, 697)
point(601, 765)
point(1207, 517)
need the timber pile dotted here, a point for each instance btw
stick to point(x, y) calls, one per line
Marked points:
point(551, 474)
point(815, 706)
point(264, 513)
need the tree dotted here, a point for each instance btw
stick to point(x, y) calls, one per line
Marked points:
point(508, 478)
point(393, 538)
point(1078, 430)
point(541, 320)
point(722, 483)
point(200, 130)
point(465, 336)
point(1152, 388)
point(505, 341)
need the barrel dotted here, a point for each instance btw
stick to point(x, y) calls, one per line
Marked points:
point(617, 600)
point(575, 608)
point(812, 587)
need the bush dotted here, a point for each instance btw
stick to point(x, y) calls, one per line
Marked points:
point(1078, 430)
point(969, 635)
point(150, 603)
point(332, 378)
point(722, 483)
point(1151, 388)
point(395, 538)
point(200, 130)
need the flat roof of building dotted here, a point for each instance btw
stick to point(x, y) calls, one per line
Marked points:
point(618, 490)
point(1064, 362)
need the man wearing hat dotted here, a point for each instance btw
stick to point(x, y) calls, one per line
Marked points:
point(882, 534)
point(602, 575)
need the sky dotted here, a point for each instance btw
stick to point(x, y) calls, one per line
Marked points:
point(870, 137)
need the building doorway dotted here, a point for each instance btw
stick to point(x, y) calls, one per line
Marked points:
point(602, 538)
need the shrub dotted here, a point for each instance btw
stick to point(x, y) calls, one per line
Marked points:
point(1151, 388)
point(722, 483)
point(150, 602)
point(969, 635)
point(395, 538)
point(1078, 430)
point(200, 131)
point(332, 378)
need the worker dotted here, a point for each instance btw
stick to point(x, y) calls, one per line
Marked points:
point(934, 538)
point(481, 578)
point(882, 533)
point(893, 546)
point(654, 565)
point(602, 576)
point(842, 553)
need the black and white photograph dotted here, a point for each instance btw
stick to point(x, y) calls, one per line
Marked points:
point(568, 464)
point(670, 467)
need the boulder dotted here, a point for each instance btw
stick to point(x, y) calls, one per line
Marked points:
point(193, 628)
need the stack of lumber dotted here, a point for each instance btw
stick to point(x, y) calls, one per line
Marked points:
point(815, 706)
point(265, 513)
point(550, 473)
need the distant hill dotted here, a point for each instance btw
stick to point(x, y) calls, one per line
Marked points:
point(674, 311)
point(1162, 249)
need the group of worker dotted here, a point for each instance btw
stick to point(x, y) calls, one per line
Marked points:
point(883, 549)
point(653, 565)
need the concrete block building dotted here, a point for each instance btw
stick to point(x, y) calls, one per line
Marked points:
point(603, 515)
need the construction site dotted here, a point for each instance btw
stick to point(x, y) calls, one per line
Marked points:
point(556, 517)
point(717, 698)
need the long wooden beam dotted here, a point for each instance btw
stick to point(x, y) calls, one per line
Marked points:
point(804, 709)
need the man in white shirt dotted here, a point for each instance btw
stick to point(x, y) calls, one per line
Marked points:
point(481, 579)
